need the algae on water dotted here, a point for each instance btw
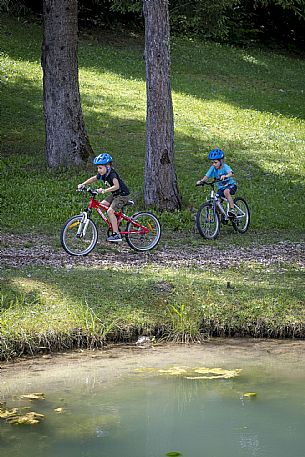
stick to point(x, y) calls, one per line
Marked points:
point(33, 396)
point(194, 373)
point(13, 416)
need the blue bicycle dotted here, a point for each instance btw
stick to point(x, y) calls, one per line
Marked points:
point(214, 212)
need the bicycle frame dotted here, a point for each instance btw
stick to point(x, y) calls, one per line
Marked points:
point(216, 202)
point(216, 211)
point(101, 209)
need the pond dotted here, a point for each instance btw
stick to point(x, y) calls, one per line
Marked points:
point(153, 402)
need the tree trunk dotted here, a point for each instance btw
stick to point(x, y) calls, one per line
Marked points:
point(160, 176)
point(66, 138)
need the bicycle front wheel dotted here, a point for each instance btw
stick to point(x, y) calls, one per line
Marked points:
point(241, 221)
point(75, 241)
point(207, 221)
point(144, 231)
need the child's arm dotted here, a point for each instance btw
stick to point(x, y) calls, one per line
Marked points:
point(228, 175)
point(204, 179)
point(88, 181)
point(116, 186)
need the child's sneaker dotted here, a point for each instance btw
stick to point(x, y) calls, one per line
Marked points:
point(231, 212)
point(115, 238)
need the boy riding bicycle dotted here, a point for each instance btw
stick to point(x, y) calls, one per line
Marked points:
point(118, 191)
point(226, 185)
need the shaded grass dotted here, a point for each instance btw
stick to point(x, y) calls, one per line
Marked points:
point(46, 310)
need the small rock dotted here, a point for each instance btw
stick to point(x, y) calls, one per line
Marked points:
point(59, 410)
point(145, 341)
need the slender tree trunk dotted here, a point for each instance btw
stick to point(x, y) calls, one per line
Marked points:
point(66, 138)
point(160, 176)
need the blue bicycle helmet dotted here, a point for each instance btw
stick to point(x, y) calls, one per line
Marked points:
point(216, 154)
point(102, 159)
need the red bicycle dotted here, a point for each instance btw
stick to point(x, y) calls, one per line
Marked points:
point(79, 234)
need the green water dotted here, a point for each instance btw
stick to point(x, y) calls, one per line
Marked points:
point(111, 410)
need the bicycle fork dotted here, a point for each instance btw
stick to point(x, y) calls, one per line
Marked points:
point(221, 209)
point(81, 232)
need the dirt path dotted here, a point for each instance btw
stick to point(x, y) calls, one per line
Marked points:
point(30, 250)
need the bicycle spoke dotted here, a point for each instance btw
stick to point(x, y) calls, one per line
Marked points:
point(207, 221)
point(75, 240)
point(143, 232)
point(242, 219)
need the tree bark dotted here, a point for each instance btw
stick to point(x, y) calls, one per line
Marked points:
point(66, 138)
point(160, 177)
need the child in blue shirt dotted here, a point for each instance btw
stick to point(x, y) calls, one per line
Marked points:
point(226, 187)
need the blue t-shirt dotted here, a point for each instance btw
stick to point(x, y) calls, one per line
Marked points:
point(224, 170)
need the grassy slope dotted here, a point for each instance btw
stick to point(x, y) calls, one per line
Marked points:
point(250, 103)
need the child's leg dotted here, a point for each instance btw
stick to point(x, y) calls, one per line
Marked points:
point(116, 205)
point(228, 196)
point(113, 219)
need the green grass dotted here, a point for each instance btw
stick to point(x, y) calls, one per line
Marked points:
point(44, 308)
point(249, 103)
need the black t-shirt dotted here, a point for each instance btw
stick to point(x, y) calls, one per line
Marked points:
point(123, 190)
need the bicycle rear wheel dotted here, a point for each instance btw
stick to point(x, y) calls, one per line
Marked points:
point(144, 231)
point(75, 243)
point(207, 221)
point(241, 221)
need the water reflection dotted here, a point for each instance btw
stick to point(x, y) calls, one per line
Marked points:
point(110, 409)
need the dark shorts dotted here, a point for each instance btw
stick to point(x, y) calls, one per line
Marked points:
point(232, 189)
point(116, 203)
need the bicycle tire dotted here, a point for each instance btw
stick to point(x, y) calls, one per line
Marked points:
point(143, 241)
point(241, 205)
point(78, 246)
point(205, 217)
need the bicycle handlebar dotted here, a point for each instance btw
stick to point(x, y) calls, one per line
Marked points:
point(203, 183)
point(89, 190)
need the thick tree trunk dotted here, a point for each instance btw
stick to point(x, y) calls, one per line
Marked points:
point(160, 176)
point(66, 138)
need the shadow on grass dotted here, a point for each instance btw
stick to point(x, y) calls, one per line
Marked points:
point(15, 297)
point(248, 79)
point(271, 196)
point(142, 301)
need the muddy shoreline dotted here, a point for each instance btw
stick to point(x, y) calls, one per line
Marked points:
point(115, 361)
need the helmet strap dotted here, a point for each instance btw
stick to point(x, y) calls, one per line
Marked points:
point(108, 168)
